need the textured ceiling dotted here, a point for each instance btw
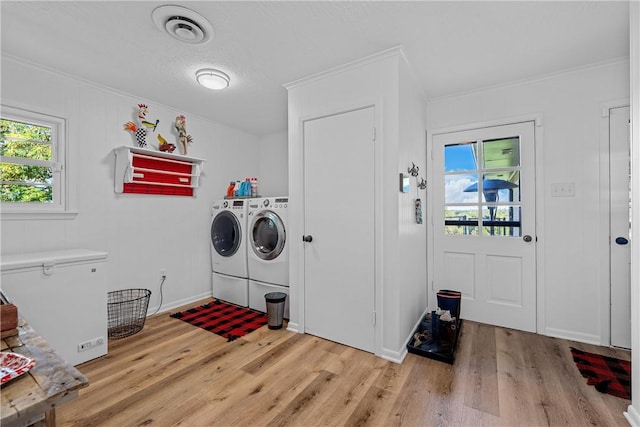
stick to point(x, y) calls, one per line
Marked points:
point(453, 46)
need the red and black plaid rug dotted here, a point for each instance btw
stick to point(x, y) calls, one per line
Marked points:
point(607, 374)
point(227, 320)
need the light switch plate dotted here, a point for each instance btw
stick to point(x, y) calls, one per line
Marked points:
point(563, 189)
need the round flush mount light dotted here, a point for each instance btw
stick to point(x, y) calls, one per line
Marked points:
point(212, 79)
point(182, 24)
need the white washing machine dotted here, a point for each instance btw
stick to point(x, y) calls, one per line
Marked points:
point(229, 279)
point(268, 250)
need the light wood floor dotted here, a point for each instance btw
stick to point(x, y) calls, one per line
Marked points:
point(172, 373)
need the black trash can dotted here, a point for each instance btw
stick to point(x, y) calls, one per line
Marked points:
point(275, 309)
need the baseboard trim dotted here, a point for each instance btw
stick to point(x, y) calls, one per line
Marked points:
point(633, 416)
point(572, 336)
point(179, 303)
point(394, 356)
point(293, 327)
point(398, 356)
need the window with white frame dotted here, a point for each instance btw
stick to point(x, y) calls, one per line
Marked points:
point(32, 162)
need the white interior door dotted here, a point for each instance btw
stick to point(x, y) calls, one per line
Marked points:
point(620, 244)
point(339, 226)
point(484, 222)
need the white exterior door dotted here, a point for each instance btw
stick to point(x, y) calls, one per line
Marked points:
point(484, 222)
point(620, 244)
point(339, 228)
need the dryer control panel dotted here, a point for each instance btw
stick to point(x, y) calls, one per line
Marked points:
point(281, 202)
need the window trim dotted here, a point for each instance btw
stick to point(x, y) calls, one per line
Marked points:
point(59, 209)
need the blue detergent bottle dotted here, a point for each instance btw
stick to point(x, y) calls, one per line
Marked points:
point(243, 189)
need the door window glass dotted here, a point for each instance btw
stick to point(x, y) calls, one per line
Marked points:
point(496, 196)
point(462, 220)
point(460, 157)
point(454, 188)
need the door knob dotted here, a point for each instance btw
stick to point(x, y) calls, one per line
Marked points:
point(527, 238)
point(622, 240)
point(307, 238)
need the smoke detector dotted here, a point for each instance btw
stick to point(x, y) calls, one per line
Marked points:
point(182, 24)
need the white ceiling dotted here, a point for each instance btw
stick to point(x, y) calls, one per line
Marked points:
point(453, 46)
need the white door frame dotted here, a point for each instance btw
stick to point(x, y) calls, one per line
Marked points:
point(296, 215)
point(603, 237)
point(539, 199)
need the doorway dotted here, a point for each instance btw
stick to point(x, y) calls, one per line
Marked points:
point(339, 232)
point(484, 222)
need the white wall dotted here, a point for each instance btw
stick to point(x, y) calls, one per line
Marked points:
point(274, 171)
point(400, 247)
point(142, 234)
point(573, 285)
point(407, 266)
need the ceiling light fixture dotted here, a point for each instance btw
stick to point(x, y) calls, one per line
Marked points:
point(212, 79)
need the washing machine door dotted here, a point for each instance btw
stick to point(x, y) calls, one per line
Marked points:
point(268, 235)
point(226, 233)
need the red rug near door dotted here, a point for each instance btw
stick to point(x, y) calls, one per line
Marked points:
point(608, 374)
point(225, 319)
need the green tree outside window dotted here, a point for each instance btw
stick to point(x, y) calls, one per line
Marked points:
point(26, 169)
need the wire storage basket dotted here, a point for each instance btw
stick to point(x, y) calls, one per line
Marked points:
point(127, 311)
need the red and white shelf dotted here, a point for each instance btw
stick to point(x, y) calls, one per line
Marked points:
point(142, 171)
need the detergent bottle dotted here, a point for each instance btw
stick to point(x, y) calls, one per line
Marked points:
point(230, 188)
point(254, 187)
point(247, 187)
point(236, 189)
point(243, 189)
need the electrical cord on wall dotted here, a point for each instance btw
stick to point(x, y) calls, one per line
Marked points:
point(160, 305)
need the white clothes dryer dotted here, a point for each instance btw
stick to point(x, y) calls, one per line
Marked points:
point(229, 280)
point(268, 250)
point(268, 246)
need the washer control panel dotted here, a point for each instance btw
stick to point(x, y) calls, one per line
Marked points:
point(229, 204)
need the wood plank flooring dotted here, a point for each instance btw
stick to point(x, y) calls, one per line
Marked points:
point(174, 374)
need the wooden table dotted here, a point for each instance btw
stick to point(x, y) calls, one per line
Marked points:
point(33, 397)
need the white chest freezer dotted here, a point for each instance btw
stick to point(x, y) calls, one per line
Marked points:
point(63, 296)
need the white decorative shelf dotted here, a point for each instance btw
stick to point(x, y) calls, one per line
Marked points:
point(142, 171)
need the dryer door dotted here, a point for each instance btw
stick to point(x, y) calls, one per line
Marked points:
point(268, 235)
point(226, 234)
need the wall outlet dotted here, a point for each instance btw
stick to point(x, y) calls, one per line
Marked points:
point(96, 342)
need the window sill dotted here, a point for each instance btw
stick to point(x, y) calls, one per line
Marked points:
point(30, 215)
